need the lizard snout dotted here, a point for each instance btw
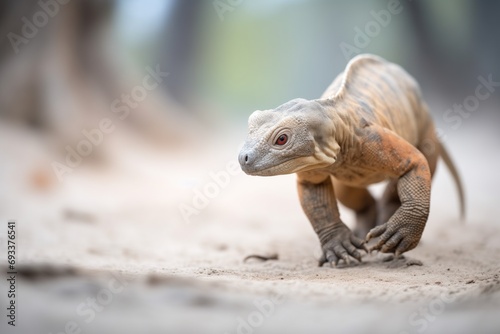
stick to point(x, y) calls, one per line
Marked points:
point(246, 159)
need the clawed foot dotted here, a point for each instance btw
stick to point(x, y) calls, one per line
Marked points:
point(395, 239)
point(342, 245)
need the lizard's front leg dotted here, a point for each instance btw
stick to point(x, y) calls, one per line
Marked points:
point(403, 230)
point(320, 206)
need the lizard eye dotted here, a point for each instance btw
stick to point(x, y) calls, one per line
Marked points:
point(282, 140)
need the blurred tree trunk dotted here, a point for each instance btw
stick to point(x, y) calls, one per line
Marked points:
point(65, 78)
point(436, 57)
point(182, 38)
point(486, 47)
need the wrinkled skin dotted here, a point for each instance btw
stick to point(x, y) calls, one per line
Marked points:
point(369, 126)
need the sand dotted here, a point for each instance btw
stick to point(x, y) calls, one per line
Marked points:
point(122, 221)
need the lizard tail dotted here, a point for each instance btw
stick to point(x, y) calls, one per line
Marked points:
point(454, 173)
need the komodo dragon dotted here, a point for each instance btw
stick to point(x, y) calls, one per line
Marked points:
point(370, 125)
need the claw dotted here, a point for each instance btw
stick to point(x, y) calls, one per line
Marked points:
point(357, 256)
point(334, 263)
point(322, 260)
point(331, 257)
point(376, 232)
point(369, 236)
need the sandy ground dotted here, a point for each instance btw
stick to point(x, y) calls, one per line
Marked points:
point(121, 227)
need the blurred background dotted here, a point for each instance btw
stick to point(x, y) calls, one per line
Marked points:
point(175, 82)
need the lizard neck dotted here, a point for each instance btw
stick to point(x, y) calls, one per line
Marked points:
point(344, 123)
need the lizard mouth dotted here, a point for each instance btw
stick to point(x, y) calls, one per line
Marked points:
point(284, 167)
point(259, 170)
point(288, 166)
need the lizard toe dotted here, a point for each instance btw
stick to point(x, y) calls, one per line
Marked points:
point(405, 245)
point(332, 258)
point(376, 231)
point(390, 245)
point(382, 240)
point(352, 250)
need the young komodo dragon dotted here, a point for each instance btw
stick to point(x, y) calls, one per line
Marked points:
point(370, 125)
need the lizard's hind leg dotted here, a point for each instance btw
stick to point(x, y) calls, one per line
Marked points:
point(429, 146)
point(362, 203)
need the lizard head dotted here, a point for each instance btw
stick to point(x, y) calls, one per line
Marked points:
point(296, 136)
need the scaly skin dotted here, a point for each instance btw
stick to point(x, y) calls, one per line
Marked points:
point(369, 126)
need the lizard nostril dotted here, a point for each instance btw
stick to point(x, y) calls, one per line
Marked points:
point(246, 158)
